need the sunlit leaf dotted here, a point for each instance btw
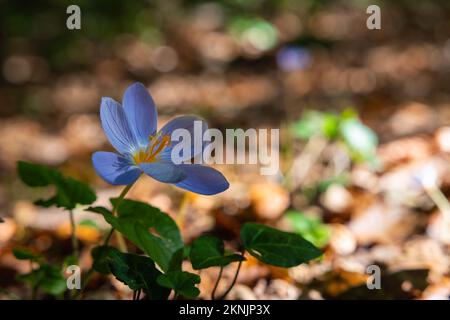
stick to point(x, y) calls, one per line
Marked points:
point(330, 125)
point(360, 139)
point(89, 223)
point(182, 282)
point(209, 251)
point(257, 32)
point(309, 125)
point(310, 228)
point(276, 247)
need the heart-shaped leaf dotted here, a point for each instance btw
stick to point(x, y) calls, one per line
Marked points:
point(181, 282)
point(276, 247)
point(137, 272)
point(209, 251)
point(69, 191)
point(150, 229)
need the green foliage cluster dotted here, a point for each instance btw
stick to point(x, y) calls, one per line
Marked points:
point(157, 269)
point(346, 127)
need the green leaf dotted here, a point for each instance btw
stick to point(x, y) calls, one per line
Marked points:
point(137, 272)
point(360, 139)
point(35, 175)
point(151, 230)
point(310, 228)
point(309, 125)
point(24, 254)
point(100, 256)
point(276, 247)
point(181, 282)
point(330, 125)
point(89, 223)
point(316, 123)
point(70, 260)
point(209, 251)
point(69, 191)
point(47, 278)
point(101, 210)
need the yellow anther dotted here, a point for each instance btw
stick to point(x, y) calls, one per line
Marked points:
point(156, 145)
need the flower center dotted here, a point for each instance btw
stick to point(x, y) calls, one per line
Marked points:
point(157, 144)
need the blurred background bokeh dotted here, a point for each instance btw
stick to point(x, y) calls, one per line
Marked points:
point(364, 118)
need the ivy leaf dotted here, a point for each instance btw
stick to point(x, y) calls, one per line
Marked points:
point(151, 230)
point(181, 282)
point(47, 278)
point(137, 272)
point(24, 254)
point(69, 191)
point(209, 251)
point(330, 125)
point(276, 247)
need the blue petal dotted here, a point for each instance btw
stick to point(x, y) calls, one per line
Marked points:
point(115, 125)
point(184, 122)
point(163, 172)
point(203, 180)
point(114, 168)
point(141, 112)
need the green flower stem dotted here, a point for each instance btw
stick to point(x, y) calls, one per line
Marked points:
point(120, 240)
point(74, 239)
point(223, 296)
point(213, 293)
point(107, 239)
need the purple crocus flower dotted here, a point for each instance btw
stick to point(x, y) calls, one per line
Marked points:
point(131, 130)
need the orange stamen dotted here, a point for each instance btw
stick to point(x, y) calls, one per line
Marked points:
point(157, 144)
